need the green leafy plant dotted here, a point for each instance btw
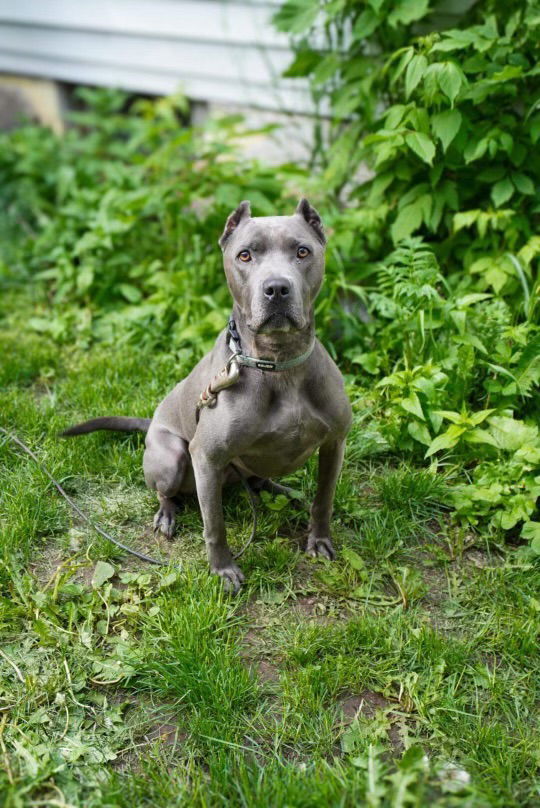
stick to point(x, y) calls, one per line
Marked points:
point(432, 144)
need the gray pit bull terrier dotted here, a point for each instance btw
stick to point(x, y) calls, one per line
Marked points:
point(274, 395)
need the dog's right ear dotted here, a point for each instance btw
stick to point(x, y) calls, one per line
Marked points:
point(311, 216)
point(243, 211)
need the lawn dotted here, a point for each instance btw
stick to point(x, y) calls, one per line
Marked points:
point(405, 673)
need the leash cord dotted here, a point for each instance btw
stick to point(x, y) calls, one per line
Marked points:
point(141, 556)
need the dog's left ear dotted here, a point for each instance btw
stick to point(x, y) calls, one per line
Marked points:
point(311, 216)
point(243, 211)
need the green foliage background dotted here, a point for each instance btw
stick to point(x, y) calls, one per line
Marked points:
point(127, 685)
point(431, 301)
point(443, 107)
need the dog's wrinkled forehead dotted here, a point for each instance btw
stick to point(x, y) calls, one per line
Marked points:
point(268, 232)
point(273, 232)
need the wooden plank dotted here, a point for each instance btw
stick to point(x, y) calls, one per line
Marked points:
point(209, 20)
point(154, 82)
point(181, 58)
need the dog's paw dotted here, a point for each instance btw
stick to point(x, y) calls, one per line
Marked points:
point(164, 519)
point(323, 547)
point(232, 576)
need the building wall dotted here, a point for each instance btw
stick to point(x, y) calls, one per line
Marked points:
point(222, 52)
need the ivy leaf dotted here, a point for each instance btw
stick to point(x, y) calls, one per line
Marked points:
point(502, 191)
point(102, 572)
point(421, 145)
point(446, 125)
point(415, 71)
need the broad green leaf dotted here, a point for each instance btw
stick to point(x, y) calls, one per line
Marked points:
point(450, 415)
point(512, 434)
point(523, 183)
point(502, 191)
point(479, 436)
point(369, 361)
point(465, 218)
point(353, 559)
point(419, 432)
point(408, 220)
point(451, 79)
point(446, 125)
point(496, 277)
point(531, 532)
point(445, 441)
point(102, 572)
point(304, 62)
point(479, 417)
point(366, 23)
point(475, 149)
point(407, 11)
point(296, 16)
point(85, 277)
point(412, 404)
point(130, 292)
point(415, 71)
point(421, 145)
point(325, 69)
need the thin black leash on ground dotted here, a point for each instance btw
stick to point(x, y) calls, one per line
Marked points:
point(141, 556)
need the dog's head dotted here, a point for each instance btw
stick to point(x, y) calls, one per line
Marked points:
point(274, 266)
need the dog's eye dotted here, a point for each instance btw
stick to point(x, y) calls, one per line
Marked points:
point(245, 255)
point(302, 252)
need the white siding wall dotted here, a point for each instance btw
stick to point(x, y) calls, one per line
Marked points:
point(221, 51)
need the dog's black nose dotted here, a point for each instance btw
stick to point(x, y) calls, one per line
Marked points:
point(276, 288)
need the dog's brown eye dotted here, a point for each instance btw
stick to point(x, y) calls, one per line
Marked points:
point(245, 255)
point(302, 252)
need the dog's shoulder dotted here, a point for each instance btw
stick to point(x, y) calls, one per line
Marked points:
point(325, 386)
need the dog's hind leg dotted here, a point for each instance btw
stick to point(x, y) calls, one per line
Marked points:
point(166, 460)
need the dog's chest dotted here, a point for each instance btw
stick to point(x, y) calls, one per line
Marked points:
point(290, 430)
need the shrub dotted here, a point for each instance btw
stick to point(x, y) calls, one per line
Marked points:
point(442, 107)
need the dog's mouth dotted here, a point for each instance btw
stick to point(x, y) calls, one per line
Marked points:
point(277, 321)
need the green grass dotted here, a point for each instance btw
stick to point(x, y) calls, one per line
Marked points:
point(407, 673)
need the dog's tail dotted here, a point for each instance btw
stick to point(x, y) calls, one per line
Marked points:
point(117, 423)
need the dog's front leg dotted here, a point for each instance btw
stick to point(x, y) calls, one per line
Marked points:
point(330, 462)
point(209, 481)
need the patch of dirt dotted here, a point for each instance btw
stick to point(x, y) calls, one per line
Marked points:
point(366, 705)
point(320, 609)
point(309, 606)
point(268, 672)
point(167, 733)
point(436, 583)
point(49, 563)
point(253, 654)
point(480, 559)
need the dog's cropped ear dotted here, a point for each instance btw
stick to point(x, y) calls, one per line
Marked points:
point(243, 211)
point(312, 218)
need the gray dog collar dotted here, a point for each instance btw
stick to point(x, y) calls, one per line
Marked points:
point(262, 364)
